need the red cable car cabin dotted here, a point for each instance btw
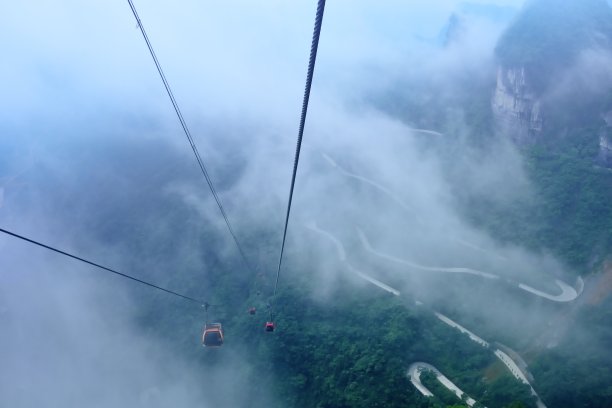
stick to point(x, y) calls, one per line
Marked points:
point(212, 335)
point(269, 326)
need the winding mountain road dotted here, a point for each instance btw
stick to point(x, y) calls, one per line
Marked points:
point(462, 329)
point(378, 186)
point(426, 132)
point(568, 293)
point(401, 202)
point(342, 255)
point(414, 371)
point(368, 247)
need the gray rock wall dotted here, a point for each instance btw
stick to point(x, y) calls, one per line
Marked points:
point(605, 142)
point(516, 108)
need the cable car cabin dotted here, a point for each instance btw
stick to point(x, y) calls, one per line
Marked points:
point(213, 335)
point(269, 326)
point(252, 311)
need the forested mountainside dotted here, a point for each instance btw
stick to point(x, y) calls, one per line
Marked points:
point(553, 64)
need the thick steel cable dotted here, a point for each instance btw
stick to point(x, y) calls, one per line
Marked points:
point(123, 275)
point(188, 134)
point(311, 65)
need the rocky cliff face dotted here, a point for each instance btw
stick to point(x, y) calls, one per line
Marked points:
point(537, 54)
point(605, 142)
point(605, 151)
point(516, 107)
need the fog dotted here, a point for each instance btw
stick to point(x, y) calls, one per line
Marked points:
point(590, 74)
point(73, 340)
point(92, 149)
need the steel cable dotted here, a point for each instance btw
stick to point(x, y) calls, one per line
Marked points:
point(59, 251)
point(311, 65)
point(189, 136)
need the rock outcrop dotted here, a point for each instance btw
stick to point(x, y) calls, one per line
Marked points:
point(516, 107)
point(605, 142)
point(537, 54)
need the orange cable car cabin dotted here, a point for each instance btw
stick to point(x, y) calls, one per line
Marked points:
point(212, 335)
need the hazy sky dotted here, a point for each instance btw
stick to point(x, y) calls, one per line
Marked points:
point(80, 54)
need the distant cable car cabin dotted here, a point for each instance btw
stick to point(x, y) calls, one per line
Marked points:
point(213, 335)
point(252, 311)
point(269, 326)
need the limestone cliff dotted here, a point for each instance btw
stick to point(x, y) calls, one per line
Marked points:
point(605, 141)
point(537, 55)
point(516, 107)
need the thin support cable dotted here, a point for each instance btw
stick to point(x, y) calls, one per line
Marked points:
point(311, 65)
point(188, 134)
point(123, 275)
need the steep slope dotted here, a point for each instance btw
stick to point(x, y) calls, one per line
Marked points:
point(535, 53)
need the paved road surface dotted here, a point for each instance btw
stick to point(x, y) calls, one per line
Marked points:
point(414, 372)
